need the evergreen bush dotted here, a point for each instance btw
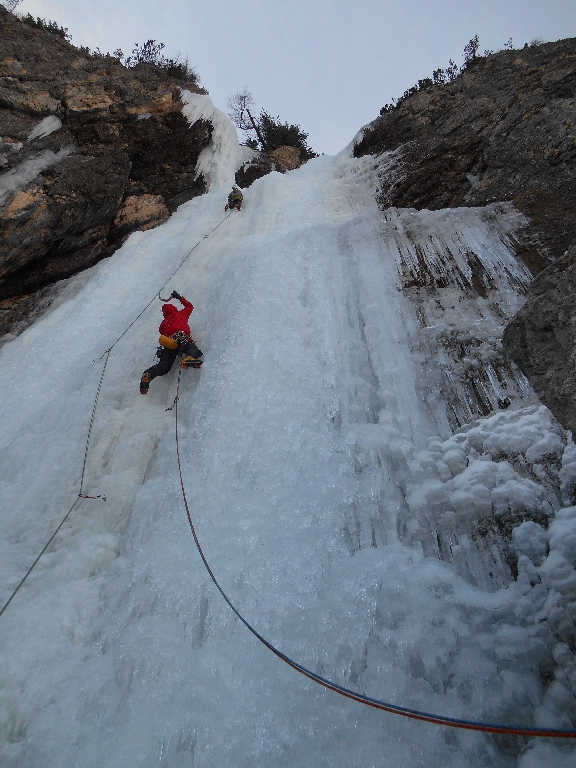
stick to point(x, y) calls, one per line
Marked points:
point(442, 76)
point(277, 134)
point(150, 53)
point(47, 26)
point(266, 132)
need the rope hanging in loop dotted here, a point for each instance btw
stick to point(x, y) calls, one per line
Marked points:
point(395, 709)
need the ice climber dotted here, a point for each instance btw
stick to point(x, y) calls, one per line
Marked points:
point(175, 340)
point(234, 199)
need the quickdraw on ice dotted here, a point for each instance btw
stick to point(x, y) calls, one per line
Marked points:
point(175, 399)
point(81, 495)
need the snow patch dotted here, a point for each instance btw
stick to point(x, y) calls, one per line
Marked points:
point(486, 494)
point(45, 127)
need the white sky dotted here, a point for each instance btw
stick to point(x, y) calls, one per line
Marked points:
point(328, 66)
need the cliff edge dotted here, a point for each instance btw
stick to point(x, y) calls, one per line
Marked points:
point(503, 130)
point(90, 151)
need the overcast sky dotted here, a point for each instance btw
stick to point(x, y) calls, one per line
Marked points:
point(328, 66)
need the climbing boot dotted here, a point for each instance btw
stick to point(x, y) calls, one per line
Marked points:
point(190, 362)
point(144, 383)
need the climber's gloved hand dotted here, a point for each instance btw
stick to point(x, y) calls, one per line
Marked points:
point(175, 295)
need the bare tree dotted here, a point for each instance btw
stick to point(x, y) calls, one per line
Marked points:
point(12, 4)
point(239, 107)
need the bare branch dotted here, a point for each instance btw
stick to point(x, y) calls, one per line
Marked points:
point(238, 106)
point(12, 4)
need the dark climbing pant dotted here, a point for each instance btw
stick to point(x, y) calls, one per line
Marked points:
point(168, 356)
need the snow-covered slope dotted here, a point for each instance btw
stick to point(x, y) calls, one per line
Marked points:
point(334, 503)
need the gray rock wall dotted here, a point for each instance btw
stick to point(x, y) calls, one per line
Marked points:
point(504, 130)
point(541, 338)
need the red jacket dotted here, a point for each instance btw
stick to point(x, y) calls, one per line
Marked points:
point(176, 320)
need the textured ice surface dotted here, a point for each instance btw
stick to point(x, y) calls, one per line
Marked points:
point(351, 521)
point(219, 161)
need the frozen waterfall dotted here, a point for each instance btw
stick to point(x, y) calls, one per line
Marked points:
point(377, 489)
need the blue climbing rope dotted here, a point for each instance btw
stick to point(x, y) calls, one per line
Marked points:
point(472, 725)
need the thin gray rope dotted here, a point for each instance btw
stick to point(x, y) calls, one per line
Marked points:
point(106, 354)
point(80, 494)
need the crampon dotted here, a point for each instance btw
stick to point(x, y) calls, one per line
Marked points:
point(190, 362)
point(144, 384)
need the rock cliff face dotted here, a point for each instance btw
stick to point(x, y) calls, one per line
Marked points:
point(89, 152)
point(282, 160)
point(504, 130)
point(542, 341)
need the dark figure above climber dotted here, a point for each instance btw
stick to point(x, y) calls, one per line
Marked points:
point(234, 199)
point(175, 339)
